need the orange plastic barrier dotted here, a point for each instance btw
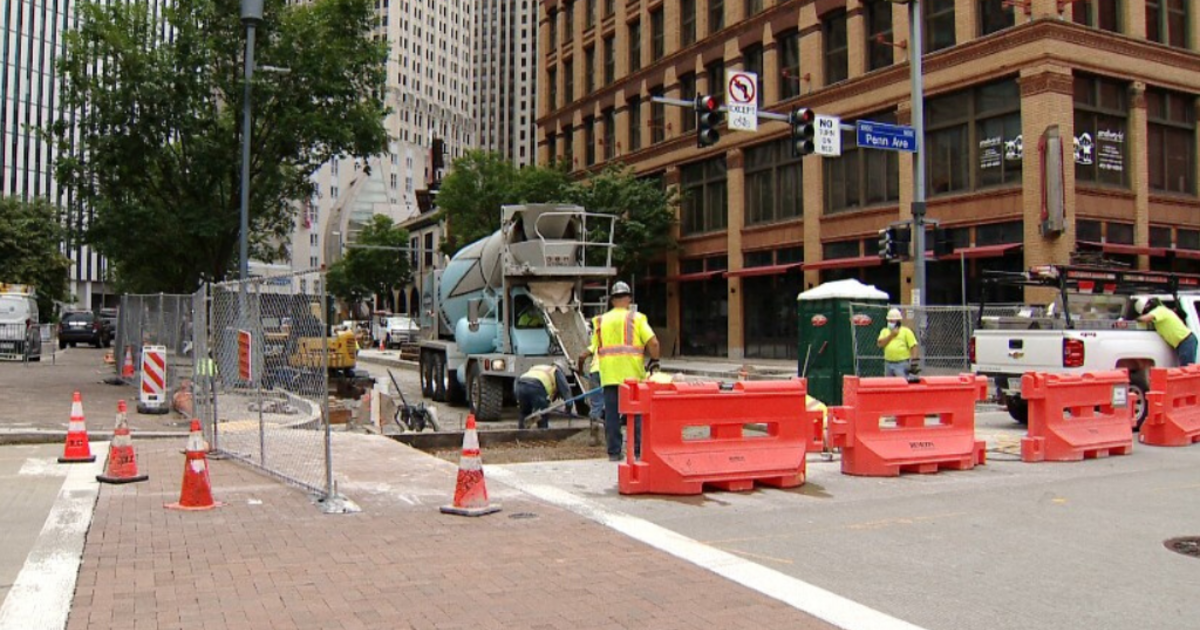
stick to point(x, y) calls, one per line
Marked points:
point(674, 460)
point(1077, 416)
point(911, 445)
point(1174, 415)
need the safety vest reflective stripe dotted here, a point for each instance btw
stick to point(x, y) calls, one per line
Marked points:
point(544, 374)
point(206, 367)
point(620, 361)
point(596, 359)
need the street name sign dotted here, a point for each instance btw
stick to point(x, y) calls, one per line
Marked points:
point(877, 135)
point(741, 88)
point(828, 139)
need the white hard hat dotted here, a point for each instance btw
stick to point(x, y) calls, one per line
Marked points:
point(894, 315)
point(620, 289)
point(1140, 304)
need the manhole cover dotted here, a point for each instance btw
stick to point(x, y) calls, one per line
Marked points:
point(1188, 545)
point(522, 515)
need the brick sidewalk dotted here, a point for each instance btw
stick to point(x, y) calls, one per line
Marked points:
point(269, 559)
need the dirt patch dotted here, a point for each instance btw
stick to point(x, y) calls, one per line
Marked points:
point(520, 451)
point(1188, 546)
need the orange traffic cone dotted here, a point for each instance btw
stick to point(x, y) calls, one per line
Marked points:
point(77, 450)
point(127, 369)
point(196, 493)
point(470, 493)
point(122, 460)
point(382, 347)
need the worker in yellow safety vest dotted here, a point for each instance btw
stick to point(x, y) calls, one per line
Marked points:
point(537, 387)
point(621, 339)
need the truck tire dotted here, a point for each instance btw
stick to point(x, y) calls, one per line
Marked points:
point(426, 371)
point(1018, 408)
point(439, 377)
point(1139, 383)
point(485, 394)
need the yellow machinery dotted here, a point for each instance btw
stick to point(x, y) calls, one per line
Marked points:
point(342, 349)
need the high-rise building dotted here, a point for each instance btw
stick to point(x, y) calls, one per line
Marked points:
point(504, 93)
point(1051, 127)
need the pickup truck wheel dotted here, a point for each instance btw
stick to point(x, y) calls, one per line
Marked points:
point(485, 394)
point(1138, 385)
point(1018, 408)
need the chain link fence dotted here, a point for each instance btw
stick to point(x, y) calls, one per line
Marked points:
point(263, 375)
point(158, 319)
point(943, 335)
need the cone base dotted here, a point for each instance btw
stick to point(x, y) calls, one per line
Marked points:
point(77, 460)
point(451, 509)
point(120, 480)
point(192, 508)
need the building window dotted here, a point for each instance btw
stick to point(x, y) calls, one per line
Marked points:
point(568, 135)
point(589, 17)
point(837, 58)
point(589, 70)
point(1172, 141)
point(589, 141)
point(704, 308)
point(1101, 122)
point(552, 147)
point(1101, 14)
point(687, 22)
point(658, 117)
point(774, 183)
point(939, 25)
point(879, 34)
point(553, 19)
point(658, 37)
point(610, 133)
point(634, 107)
point(552, 87)
point(973, 138)
point(861, 177)
point(568, 20)
point(687, 92)
point(715, 73)
point(704, 196)
point(610, 60)
point(788, 50)
point(769, 305)
point(610, 7)
point(752, 61)
point(995, 15)
point(753, 6)
point(1166, 22)
point(635, 47)
point(568, 81)
point(716, 15)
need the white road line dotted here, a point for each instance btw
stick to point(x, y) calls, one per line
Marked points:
point(798, 594)
point(43, 467)
point(41, 595)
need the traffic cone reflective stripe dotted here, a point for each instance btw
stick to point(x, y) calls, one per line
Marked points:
point(127, 369)
point(122, 460)
point(196, 493)
point(77, 450)
point(470, 493)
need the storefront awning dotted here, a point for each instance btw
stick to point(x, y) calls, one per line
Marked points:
point(1128, 250)
point(1190, 254)
point(694, 277)
point(846, 263)
point(982, 251)
point(768, 270)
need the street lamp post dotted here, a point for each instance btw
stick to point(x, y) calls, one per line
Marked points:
point(252, 14)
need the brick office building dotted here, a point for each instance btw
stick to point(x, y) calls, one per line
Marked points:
point(1118, 79)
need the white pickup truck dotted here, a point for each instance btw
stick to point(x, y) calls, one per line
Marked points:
point(1088, 328)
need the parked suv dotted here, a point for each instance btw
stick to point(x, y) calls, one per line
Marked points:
point(82, 327)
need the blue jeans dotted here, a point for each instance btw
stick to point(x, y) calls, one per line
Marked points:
point(531, 396)
point(1186, 351)
point(895, 368)
point(612, 424)
point(596, 400)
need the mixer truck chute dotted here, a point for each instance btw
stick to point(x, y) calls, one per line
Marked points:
point(510, 301)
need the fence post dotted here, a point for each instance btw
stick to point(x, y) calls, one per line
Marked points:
point(329, 490)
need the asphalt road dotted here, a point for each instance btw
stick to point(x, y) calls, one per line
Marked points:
point(30, 479)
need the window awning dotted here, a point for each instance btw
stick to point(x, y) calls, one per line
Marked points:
point(982, 251)
point(1190, 254)
point(846, 263)
point(693, 277)
point(1128, 250)
point(768, 270)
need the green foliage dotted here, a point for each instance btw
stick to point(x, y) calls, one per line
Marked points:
point(365, 272)
point(645, 210)
point(30, 235)
point(158, 153)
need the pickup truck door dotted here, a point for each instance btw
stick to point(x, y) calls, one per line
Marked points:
point(1018, 351)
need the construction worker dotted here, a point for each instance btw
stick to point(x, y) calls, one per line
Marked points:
point(1170, 327)
point(899, 346)
point(540, 385)
point(596, 399)
point(620, 341)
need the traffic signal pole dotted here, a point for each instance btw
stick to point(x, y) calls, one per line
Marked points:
point(918, 122)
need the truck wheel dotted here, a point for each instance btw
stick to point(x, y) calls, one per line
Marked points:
point(1139, 384)
point(439, 377)
point(426, 371)
point(485, 394)
point(1018, 408)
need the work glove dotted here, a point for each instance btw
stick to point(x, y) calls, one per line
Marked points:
point(914, 366)
point(652, 366)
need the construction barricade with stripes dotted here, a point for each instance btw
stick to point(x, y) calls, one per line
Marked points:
point(698, 434)
point(153, 397)
point(883, 428)
point(1077, 416)
point(1174, 407)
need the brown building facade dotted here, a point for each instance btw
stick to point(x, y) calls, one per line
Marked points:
point(1118, 79)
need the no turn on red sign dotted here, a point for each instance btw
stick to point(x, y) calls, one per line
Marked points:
point(741, 100)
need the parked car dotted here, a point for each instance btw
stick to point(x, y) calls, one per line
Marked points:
point(19, 333)
point(82, 327)
point(109, 317)
point(401, 330)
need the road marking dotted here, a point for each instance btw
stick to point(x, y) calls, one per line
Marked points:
point(43, 467)
point(41, 595)
point(808, 598)
point(879, 524)
point(757, 556)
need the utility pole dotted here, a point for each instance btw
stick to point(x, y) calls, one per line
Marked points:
point(252, 14)
point(915, 47)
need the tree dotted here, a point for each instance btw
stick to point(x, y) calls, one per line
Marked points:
point(30, 236)
point(366, 271)
point(155, 156)
point(645, 210)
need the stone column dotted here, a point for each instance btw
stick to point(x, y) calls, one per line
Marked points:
point(908, 169)
point(770, 81)
point(1133, 16)
point(1137, 160)
point(735, 185)
point(814, 210)
point(672, 178)
point(856, 35)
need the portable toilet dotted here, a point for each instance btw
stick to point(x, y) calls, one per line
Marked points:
point(827, 329)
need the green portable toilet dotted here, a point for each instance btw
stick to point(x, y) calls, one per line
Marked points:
point(826, 335)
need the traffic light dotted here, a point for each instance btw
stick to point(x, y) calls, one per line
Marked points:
point(903, 239)
point(942, 246)
point(803, 131)
point(708, 116)
point(887, 243)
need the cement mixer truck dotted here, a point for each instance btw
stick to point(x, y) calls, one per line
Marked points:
point(510, 301)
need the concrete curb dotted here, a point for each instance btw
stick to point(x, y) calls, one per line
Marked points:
point(35, 436)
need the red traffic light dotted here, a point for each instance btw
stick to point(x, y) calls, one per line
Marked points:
point(803, 115)
point(707, 103)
